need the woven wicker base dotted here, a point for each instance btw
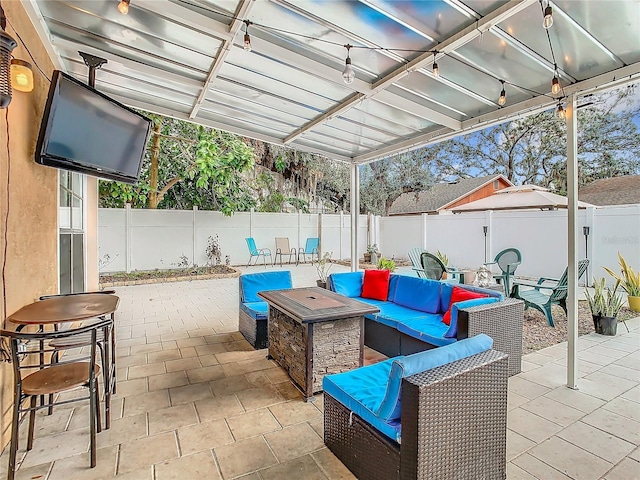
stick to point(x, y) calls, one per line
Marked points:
point(358, 444)
point(255, 331)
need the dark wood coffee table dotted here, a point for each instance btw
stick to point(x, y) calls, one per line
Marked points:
point(314, 332)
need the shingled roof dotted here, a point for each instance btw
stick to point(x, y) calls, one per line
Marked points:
point(612, 191)
point(438, 196)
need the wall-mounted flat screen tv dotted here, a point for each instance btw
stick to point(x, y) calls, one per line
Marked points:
point(86, 131)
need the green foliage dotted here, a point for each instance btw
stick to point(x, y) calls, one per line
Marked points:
point(372, 249)
point(604, 301)
point(280, 164)
point(117, 194)
point(274, 202)
point(443, 258)
point(386, 264)
point(628, 278)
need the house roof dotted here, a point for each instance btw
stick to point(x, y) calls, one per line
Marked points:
point(186, 59)
point(612, 191)
point(439, 195)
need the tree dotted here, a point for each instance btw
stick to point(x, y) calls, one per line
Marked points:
point(198, 165)
point(385, 180)
point(533, 149)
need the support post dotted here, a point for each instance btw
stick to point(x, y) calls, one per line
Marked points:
point(127, 234)
point(572, 235)
point(355, 214)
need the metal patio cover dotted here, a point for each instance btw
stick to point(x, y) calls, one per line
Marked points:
point(185, 58)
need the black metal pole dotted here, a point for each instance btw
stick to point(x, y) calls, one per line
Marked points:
point(485, 228)
point(93, 63)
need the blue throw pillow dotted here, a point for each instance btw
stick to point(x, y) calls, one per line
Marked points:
point(403, 367)
point(453, 325)
point(348, 284)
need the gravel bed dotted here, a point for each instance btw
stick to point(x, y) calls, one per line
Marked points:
point(538, 334)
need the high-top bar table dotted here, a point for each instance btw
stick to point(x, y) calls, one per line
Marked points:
point(314, 332)
point(72, 308)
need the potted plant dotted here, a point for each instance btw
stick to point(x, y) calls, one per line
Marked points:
point(612, 303)
point(445, 261)
point(630, 281)
point(386, 264)
point(595, 302)
point(372, 251)
point(323, 265)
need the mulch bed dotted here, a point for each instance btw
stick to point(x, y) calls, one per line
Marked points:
point(140, 277)
point(538, 334)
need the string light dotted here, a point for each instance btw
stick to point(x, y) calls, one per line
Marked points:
point(555, 85)
point(547, 22)
point(503, 95)
point(123, 6)
point(436, 71)
point(247, 38)
point(560, 112)
point(348, 74)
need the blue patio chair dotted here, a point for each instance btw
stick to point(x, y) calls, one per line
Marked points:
point(311, 248)
point(257, 252)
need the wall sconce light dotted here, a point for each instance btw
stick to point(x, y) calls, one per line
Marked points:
point(21, 75)
point(7, 44)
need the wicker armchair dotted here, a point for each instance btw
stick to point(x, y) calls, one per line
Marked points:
point(454, 425)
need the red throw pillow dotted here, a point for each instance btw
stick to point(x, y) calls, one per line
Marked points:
point(376, 284)
point(459, 295)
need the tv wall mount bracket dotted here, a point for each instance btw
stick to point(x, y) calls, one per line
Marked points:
point(93, 63)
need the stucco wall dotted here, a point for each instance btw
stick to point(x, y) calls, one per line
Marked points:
point(31, 267)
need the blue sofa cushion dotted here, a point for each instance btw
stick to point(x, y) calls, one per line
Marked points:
point(402, 367)
point(428, 329)
point(361, 391)
point(452, 332)
point(418, 293)
point(394, 315)
point(348, 284)
point(252, 283)
point(393, 284)
point(257, 310)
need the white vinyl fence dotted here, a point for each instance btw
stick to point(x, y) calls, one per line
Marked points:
point(132, 239)
point(541, 237)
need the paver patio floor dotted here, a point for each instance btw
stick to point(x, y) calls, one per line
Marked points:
point(195, 400)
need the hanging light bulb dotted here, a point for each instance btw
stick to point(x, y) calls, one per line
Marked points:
point(560, 112)
point(348, 74)
point(548, 17)
point(503, 95)
point(123, 6)
point(436, 70)
point(555, 85)
point(247, 37)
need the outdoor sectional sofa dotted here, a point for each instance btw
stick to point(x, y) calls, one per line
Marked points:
point(439, 414)
point(410, 320)
point(252, 310)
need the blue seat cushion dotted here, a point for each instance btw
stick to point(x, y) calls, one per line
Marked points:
point(418, 293)
point(348, 284)
point(257, 310)
point(393, 315)
point(252, 283)
point(362, 391)
point(402, 367)
point(452, 332)
point(429, 329)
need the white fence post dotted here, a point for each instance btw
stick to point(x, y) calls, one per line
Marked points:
point(423, 218)
point(127, 232)
point(488, 236)
point(193, 236)
point(340, 230)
